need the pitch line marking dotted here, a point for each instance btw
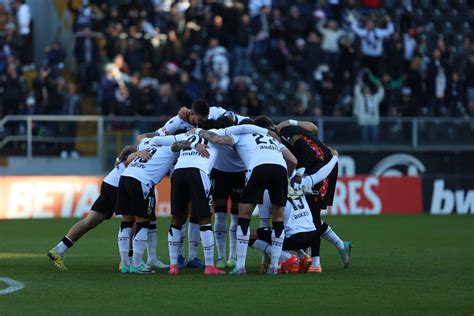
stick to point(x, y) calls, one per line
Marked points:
point(13, 286)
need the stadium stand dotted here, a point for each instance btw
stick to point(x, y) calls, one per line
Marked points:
point(149, 57)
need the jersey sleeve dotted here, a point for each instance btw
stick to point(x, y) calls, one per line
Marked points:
point(164, 140)
point(245, 129)
point(171, 126)
point(215, 112)
point(323, 173)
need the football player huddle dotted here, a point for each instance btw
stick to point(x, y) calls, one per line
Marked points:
point(212, 156)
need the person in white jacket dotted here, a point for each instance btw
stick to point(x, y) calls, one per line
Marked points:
point(330, 42)
point(371, 42)
point(366, 110)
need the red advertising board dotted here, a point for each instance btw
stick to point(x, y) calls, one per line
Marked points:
point(72, 196)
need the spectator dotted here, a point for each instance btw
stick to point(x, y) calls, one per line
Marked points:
point(71, 106)
point(455, 95)
point(55, 56)
point(436, 83)
point(23, 18)
point(330, 42)
point(469, 74)
point(84, 16)
point(216, 59)
point(371, 38)
point(254, 106)
point(5, 18)
point(86, 54)
point(261, 32)
point(12, 90)
point(366, 109)
point(243, 47)
point(313, 54)
point(305, 102)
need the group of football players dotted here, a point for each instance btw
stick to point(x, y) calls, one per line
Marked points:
point(217, 159)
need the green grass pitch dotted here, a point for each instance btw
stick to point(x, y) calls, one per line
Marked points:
point(400, 265)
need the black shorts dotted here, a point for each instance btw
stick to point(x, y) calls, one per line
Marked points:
point(271, 177)
point(294, 242)
point(132, 201)
point(325, 194)
point(191, 185)
point(107, 200)
point(227, 184)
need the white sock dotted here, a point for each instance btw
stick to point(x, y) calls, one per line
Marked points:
point(123, 240)
point(285, 255)
point(277, 245)
point(264, 222)
point(241, 247)
point(174, 240)
point(181, 242)
point(139, 245)
point(333, 238)
point(207, 239)
point(193, 240)
point(151, 243)
point(316, 261)
point(61, 247)
point(220, 230)
point(232, 231)
point(262, 246)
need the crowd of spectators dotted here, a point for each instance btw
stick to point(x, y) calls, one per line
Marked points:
point(276, 57)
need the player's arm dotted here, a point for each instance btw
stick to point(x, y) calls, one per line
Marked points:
point(164, 140)
point(245, 129)
point(146, 135)
point(126, 152)
point(290, 159)
point(310, 180)
point(185, 145)
point(215, 138)
point(171, 126)
point(180, 145)
point(144, 154)
point(309, 126)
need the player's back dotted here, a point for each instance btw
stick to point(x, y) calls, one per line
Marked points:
point(154, 169)
point(307, 148)
point(258, 149)
point(191, 158)
point(229, 160)
point(298, 218)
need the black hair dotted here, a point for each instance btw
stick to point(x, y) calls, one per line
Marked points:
point(264, 121)
point(224, 121)
point(126, 151)
point(247, 121)
point(180, 131)
point(208, 124)
point(200, 107)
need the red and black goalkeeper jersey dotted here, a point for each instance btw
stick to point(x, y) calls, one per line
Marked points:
point(311, 152)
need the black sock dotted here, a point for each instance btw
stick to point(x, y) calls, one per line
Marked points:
point(278, 227)
point(244, 224)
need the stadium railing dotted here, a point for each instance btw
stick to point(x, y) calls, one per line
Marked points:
point(19, 134)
